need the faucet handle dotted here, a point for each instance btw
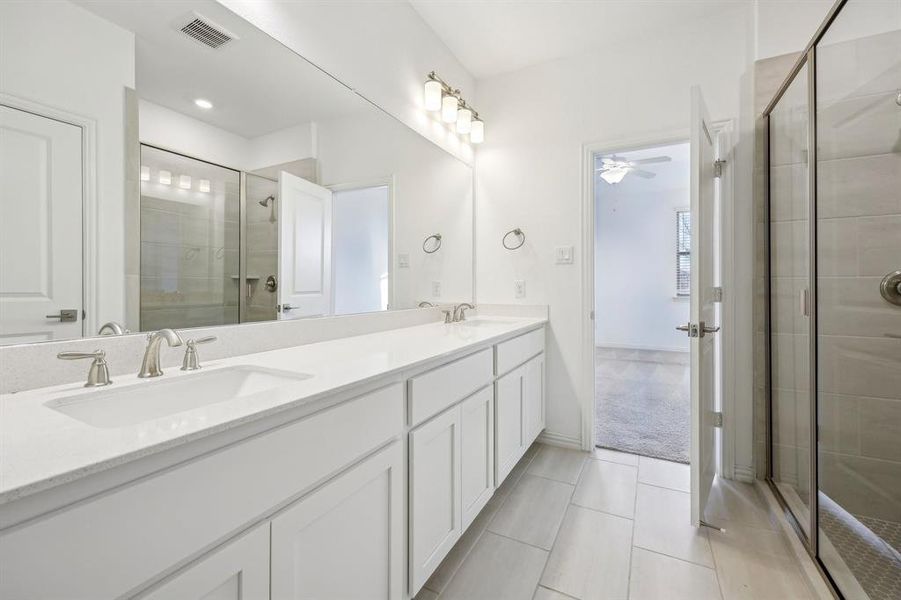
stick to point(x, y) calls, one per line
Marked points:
point(447, 315)
point(191, 362)
point(98, 374)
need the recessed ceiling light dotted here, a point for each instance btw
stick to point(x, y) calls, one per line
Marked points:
point(203, 103)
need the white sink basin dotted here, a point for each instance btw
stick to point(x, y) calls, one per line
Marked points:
point(150, 400)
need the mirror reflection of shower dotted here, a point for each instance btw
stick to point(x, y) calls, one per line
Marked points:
point(269, 202)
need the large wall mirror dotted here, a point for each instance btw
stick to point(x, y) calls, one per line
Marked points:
point(167, 164)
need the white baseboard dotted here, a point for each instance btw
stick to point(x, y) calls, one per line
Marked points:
point(744, 473)
point(557, 439)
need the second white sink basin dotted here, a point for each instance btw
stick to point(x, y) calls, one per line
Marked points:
point(150, 400)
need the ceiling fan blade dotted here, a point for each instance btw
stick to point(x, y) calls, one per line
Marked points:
point(645, 174)
point(648, 161)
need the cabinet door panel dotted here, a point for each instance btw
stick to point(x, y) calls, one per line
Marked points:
point(533, 389)
point(476, 453)
point(237, 571)
point(345, 540)
point(435, 514)
point(508, 415)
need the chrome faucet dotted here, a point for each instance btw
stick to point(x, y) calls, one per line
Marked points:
point(151, 365)
point(459, 311)
point(115, 328)
point(425, 304)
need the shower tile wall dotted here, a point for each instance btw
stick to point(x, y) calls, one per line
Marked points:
point(789, 260)
point(262, 248)
point(859, 223)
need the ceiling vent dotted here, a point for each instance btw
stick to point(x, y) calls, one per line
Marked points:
point(206, 32)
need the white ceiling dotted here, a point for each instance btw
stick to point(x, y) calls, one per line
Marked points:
point(490, 37)
point(256, 85)
point(672, 175)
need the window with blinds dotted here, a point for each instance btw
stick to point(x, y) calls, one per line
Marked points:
point(683, 253)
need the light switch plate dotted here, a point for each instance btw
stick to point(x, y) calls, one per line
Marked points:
point(436, 289)
point(403, 261)
point(563, 255)
point(519, 288)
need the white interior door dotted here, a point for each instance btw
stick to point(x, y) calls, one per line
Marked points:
point(304, 248)
point(40, 228)
point(703, 326)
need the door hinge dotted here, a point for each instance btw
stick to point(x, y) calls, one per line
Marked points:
point(717, 294)
point(718, 419)
point(718, 167)
point(592, 315)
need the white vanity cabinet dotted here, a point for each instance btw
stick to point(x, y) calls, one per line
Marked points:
point(519, 399)
point(345, 540)
point(237, 571)
point(476, 453)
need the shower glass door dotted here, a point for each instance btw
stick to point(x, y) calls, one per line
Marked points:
point(189, 242)
point(790, 298)
point(858, 208)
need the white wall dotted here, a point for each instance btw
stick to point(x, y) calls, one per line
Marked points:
point(59, 55)
point(382, 49)
point(529, 174)
point(635, 267)
point(172, 130)
point(784, 26)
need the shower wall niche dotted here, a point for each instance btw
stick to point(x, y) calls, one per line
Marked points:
point(834, 327)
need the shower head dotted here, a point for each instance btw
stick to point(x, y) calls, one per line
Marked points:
point(267, 200)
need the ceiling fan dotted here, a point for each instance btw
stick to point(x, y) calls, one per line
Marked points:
point(614, 168)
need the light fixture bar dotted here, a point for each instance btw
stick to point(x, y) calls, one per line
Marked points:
point(439, 96)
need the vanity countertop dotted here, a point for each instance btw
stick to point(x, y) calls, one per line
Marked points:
point(41, 448)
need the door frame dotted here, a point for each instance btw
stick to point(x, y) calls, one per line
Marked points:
point(723, 130)
point(90, 213)
point(359, 185)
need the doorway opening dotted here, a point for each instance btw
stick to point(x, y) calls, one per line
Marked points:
point(642, 274)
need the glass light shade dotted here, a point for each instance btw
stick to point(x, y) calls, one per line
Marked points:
point(449, 109)
point(165, 177)
point(204, 186)
point(464, 121)
point(432, 95)
point(145, 173)
point(614, 175)
point(184, 182)
point(477, 132)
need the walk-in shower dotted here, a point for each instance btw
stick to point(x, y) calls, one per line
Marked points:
point(833, 337)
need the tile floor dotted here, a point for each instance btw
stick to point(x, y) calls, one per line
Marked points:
point(568, 524)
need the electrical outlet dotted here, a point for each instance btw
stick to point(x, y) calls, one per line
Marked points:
point(436, 289)
point(519, 288)
point(403, 261)
point(563, 255)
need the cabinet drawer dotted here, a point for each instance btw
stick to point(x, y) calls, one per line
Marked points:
point(512, 353)
point(432, 392)
point(108, 546)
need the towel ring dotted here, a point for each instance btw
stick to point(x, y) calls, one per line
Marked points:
point(517, 232)
point(437, 238)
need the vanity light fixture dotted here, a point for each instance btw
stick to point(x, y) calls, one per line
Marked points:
point(145, 173)
point(165, 177)
point(184, 182)
point(203, 103)
point(204, 186)
point(438, 95)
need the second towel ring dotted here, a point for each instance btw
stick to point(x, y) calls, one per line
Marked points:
point(437, 244)
point(517, 232)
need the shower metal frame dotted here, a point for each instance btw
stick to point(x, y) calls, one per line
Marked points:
point(808, 58)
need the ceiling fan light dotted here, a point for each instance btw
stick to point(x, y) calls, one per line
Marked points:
point(449, 109)
point(432, 95)
point(614, 175)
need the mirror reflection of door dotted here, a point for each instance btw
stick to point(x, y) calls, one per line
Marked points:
point(305, 247)
point(40, 249)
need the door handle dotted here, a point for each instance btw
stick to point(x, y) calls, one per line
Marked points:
point(686, 327)
point(708, 328)
point(66, 315)
point(284, 307)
